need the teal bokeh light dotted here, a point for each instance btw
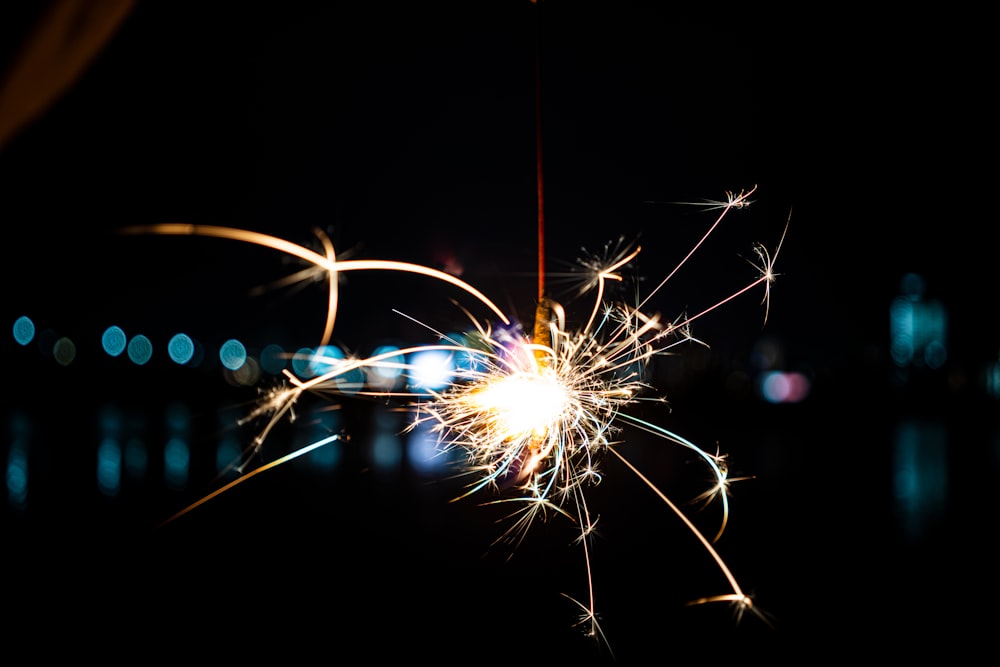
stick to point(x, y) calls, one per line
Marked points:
point(24, 330)
point(113, 341)
point(181, 348)
point(272, 359)
point(140, 350)
point(233, 354)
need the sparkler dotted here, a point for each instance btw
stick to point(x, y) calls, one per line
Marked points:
point(533, 417)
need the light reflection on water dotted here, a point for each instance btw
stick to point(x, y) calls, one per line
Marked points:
point(854, 524)
point(135, 455)
point(920, 476)
point(128, 455)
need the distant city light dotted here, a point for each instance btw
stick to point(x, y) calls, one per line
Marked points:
point(64, 351)
point(920, 475)
point(320, 424)
point(247, 375)
point(140, 350)
point(424, 453)
point(232, 354)
point(430, 370)
point(385, 375)
point(136, 459)
point(177, 451)
point(24, 330)
point(113, 341)
point(918, 327)
point(302, 362)
point(17, 462)
point(330, 358)
point(991, 379)
point(272, 359)
point(227, 454)
point(387, 451)
point(176, 459)
point(109, 466)
point(181, 348)
point(783, 387)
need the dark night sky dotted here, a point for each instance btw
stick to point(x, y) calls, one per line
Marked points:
point(410, 134)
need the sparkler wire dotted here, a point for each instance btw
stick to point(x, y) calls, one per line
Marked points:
point(538, 155)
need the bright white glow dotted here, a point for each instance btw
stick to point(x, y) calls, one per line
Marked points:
point(431, 370)
point(522, 404)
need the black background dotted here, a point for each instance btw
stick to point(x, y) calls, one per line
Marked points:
point(409, 133)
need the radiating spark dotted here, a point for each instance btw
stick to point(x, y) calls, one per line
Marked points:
point(584, 275)
point(737, 200)
point(533, 417)
point(256, 471)
point(734, 202)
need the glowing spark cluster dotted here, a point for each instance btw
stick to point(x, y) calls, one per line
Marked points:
point(534, 417)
